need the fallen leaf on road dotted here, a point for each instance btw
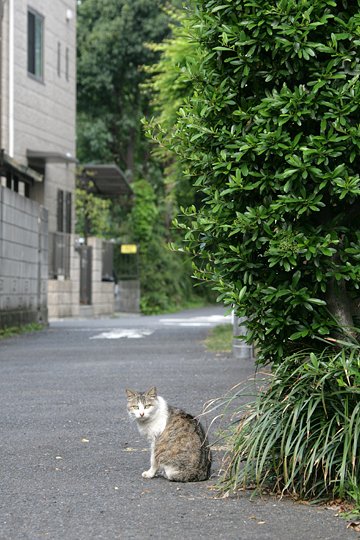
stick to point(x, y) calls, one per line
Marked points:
point(355, 525)
point(225, 495)
point(128, 449)
point(220, 448)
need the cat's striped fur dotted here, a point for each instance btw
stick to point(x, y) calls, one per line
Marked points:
point(179, 447)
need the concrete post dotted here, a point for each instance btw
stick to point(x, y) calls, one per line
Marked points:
point(241, 349)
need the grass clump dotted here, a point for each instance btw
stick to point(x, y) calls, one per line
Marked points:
point(11, 331)
point(220, 338)
point(301, 434)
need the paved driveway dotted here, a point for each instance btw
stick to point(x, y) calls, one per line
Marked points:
point(71, 462)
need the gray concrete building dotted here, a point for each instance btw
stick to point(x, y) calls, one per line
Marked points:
point(45, 271)
point(38, 89)
point(37, 158)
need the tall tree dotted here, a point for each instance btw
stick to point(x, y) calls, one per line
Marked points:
point(170, 85)
point(112, 52)
point(117, 42)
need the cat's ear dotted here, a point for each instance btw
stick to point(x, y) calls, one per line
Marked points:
point(152, 393)
point(130, 393)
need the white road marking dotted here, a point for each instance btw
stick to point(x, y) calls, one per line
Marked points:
point(211, 320)
point(138, 333)
point(130, 333)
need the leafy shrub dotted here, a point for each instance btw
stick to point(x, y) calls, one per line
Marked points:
point(270, 137)
point(165, 276)
point(93, 214)
point(144, 213)
point(302, 433)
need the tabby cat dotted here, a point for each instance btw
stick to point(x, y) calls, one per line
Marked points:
point(179, 447)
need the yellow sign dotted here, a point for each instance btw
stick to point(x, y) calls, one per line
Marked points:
point(127, 249)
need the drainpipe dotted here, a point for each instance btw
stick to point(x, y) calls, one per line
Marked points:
point(1, 60)
point(241, 349)
point(11, 78)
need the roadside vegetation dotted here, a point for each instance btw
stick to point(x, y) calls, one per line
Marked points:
point(118, 43)
point(300, 434)
point(12, 331)
point(267, 99)
point(220, 339)
point(248, 170)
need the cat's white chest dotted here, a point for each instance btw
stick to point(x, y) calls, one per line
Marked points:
point(155, 425)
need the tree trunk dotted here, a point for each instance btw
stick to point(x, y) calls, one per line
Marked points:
point(339, 305)
point(130, 154)
point(355, 307)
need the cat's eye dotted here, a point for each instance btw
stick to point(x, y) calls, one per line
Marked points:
point(134, 407)
point(148, 406)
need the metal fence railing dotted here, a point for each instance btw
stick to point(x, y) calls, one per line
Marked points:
point(126, 262)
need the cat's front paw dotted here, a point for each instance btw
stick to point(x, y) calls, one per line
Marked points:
point(148, 474)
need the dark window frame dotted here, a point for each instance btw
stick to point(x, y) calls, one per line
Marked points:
point(60, 211)
point(59, 59)
point(64, 211)
point(67, 64)
point(35, 44)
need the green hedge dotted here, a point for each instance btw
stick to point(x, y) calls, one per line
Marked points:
point(270, 137)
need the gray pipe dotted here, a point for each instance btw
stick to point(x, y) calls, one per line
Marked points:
point(241, 349)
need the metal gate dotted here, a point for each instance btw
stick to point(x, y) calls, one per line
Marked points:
point(127, 262)
point(85, 274)
point(127, 298)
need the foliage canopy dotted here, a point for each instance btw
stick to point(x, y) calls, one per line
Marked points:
point(112, 50)
point(270, 137)
point(117, 42)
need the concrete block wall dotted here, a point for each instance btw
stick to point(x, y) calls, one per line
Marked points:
point(127, 297)
point(103, 298)
point(103, 292)
point(64, 294)
point(23, 260)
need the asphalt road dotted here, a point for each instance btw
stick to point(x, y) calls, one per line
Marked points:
point(71, 461)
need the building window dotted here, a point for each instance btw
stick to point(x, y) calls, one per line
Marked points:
point(67, 63)
point(64, 211)
point(35, 44)
point(59, 59)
